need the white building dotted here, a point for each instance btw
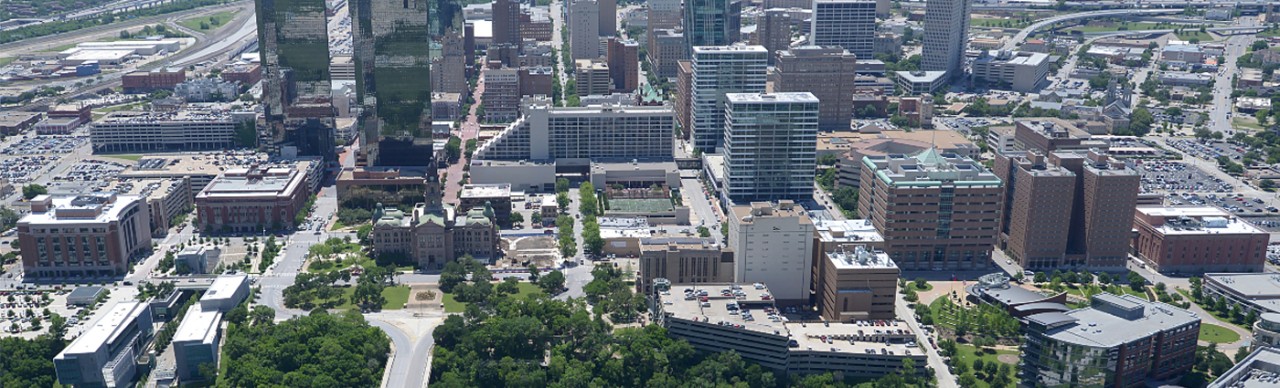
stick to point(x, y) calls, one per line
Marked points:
point(207, 90)
point(850, 24)
point(770, 147)
point(1022, 71)
point(584, 29)
point(920, 82)
point(718, 70)
point(773, 244)
point(187, 129)
point(546, 132)
point(946, 30)
point(225, 293)
point(106, 353)
point(196, 343)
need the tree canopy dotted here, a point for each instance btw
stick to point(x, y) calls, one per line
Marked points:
point(318, 350)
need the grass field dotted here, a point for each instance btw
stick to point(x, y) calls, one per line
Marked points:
point(7, 60)
point(1195, 34)
point(1245, 123)
point(130, 157)
point(222, 18)
point(1217, 334)
point(640, 205)
point(453, 306)
point(967, 353)
point(1111, 27)
point(396, 296)
point(996, 22)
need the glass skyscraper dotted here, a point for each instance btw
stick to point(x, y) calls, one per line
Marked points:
point(393, 82)
point(712, 22)
point(293, 41)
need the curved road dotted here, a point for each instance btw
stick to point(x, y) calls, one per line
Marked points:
point(1042, 23)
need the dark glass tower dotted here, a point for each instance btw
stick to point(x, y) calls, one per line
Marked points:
point(393, 66)
point(712, 22)
point(293, 38)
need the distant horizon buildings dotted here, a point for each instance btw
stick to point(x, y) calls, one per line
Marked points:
point(293, 41)
point(392, 44)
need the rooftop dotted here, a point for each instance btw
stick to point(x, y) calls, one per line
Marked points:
point(780, 209)
point(197, 326)
point(887, 142)
point(855, 231)
point(1020, 58)
point(916, 77)
point(1194, 220)
point(1262, 289)
point(1113, 320)
point(224, 287)
point(929, 168)
point(860, 258)
point(110, 326)
point(1261, 369)
point(253, 182)
point(768, 98)
point(97, 207)
point(496, 190)
point(737, 48)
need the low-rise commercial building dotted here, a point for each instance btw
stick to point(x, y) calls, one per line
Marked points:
point(1124, 340)
point(107, 354)
point(683, 260)
point(1266, 331)
point(252, 199)
point(920, 82)
point(744, 319)
point(87, 235)
point(995, 289)
point(187, 129)
point(1196, 239)
point(147, 81)
point(195, 344)
point(1253, 292)
point(84, 296)
point(168, 199)
point(13, 123)
point(225, 293)
point(857, 284)
point(1258, 370)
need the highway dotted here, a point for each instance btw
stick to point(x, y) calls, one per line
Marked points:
point(1046, 22)
point(86, 34)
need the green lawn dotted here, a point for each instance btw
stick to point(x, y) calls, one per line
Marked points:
point(1245, 123)
point(332, 265)
point(996, 22)
point(1217, 334)
point(194, 23)
point(4, 61)
point(1195, 34)
point(396, 296)
point(967, 353)
point(927, 286)
point(132, 157)
point(453, 306)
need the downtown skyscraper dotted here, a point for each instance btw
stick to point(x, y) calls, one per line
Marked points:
point(293, 41)
point(946, 30)
point(393, 82)
point(712, 22)
point(850, 24)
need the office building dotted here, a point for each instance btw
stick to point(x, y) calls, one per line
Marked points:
point(391, 42)
point(535, 81)
point(191, 128)
point(856, 284)
point(774, 32)
point(917, 110)
point(608, 25)
point(824, 72)
point(848, 24)
point(682, 260)
point(1254, 292)
point(501, 97)
point(167, 198)
point(1197, 239)
point(433, 237)
point(1020, 71)
point(664, 15)
point(920, 82)
point(251, 200)
point(293, 46)
point(712, 22)
point(489, 196)
point(666, 49)
point(207, 90)
point(1266, 331)
point(624, 64)
point(83, 236)
point(718, 70)
point(771, 244)
point(1119, 341)
point(592, 77)
point(547, 133)
point(506, 22)
point(225, 293)
point(147, 81)
point(936, 211)
point(684, 98)
point(946, 30)
point(770, 146)
point(107, 353)
point(1037, 209)
point(448, 72)
point(584, 29)
point(1260, 369)
point(195, 344)
point(742, 318)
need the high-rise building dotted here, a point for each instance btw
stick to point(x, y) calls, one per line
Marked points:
point(850, 24)
point(823, 71)
point(506, 22)
point(666, 48)
point(584, 29)
point(946, 30)
point(684, 97)
point(775, 32)
point(712, 22)
point(718, 70)
point(936, 211)
point(545, 132)
point(770, 146)
point(592, 77)
point(608, 25)
point(501, 94)
point(624, 64)
point(392, 45)
point(771, 245)
point(448, 72)
point(293, 41)
point(664, 14)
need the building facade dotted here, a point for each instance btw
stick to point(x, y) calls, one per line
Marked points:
point(501, 94)
point(182, 130)
point(823, 71)
point(712, 22)
point(393, 81)
point(433, 238)
point(770, 244)
point(857, 284)
point(1197, 239)
point(592, 77)
point(546, 133)
point(83, 236)
point(683, 260)
point(293, 38)
point(624, 65)
point(105, 354)
point(252, 200)
point(666, 49)
point(946, 31)
point(718, 70)
point(848, 24)
point(1021, 71)
point(584, 29)
point(770, 146)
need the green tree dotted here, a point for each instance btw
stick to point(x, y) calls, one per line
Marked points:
point(453, 149)
point(704, 232)
point(562, 185)
point(552, 283)
point(33, 190)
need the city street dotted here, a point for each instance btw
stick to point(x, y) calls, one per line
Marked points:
point(1222, 105)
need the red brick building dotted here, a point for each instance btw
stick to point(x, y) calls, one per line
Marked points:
point(146, 81)
point(624, 64)
point(83, 236)
point(252, 199)
point(1197, 239)
point(246, 75)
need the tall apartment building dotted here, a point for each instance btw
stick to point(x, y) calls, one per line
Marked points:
point(608, 25)
point(856, 284)
point(1119, 341)
point(770, 146)
point(849, 24)
point(712, 22)
point(1021, 71)
point(105, 354)
point(684, 97)
point(1088, 225)
point(506, 22)
point(592, 77)
point(1198, 239)
point(449, 71)
point(547, 133)
point(718, 70)
point(683, 260)
point(774, 33)
point(83, 236)
point(293, 44)
point(935, 211)
point(501, 94)
point(946, 30)
point(666, 49)
point(624, 64)
point(664, 15)
point(584, 29)
point(772, 244)
point(823, 71)
point(394, 83)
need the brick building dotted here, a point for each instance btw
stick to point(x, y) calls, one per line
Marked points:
point(1196, 239)
point(252, 200)
point(83, 236)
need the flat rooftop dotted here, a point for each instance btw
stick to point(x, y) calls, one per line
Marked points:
point(917, 77)
point(1261, 369)
point(860, 258)
point(888, 142)
point(930, 168)
point(1106, 327)
point(851, 231)
point(496, 190)
point(224, 287)
point(747, 213)
point(80, 209)
point(107, 328)
point(198, 325)
point(1263, 289)
point(1197, 220)
point(769, 98)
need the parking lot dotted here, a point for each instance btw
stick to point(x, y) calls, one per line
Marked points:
point(23, 169)
point(45, 145)
point(1171, 176)
point(1208, 150)
point(20, 309)
point(91, 170)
